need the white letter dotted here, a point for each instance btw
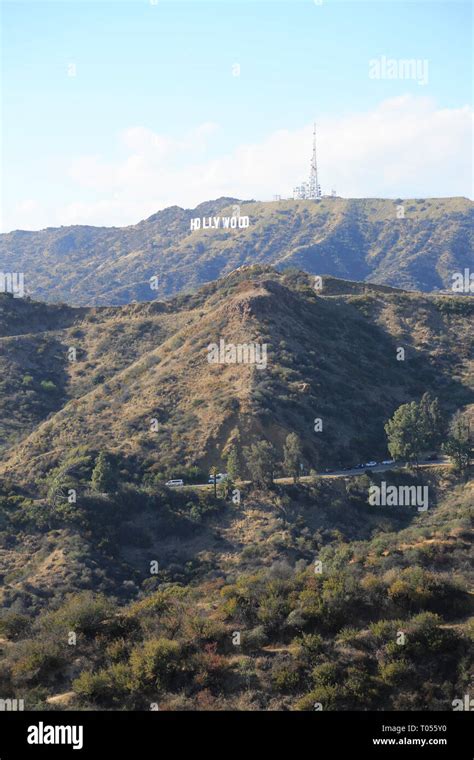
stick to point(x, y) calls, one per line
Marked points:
point(374, 69)
point(32, 735)
point(374, 496)
point(77, 742)
point(213, 353)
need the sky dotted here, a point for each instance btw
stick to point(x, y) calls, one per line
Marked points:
point(113, 110)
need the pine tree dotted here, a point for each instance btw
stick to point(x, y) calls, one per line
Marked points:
point(104, 475)
point(261, 460)
point(213, 474)
point(432, 422)
point(459, 444)
point(404, 433)
point(233, 463)
point(292, 456)
point(414, 428)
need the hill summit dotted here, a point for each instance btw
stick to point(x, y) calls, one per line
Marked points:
point(415, 244)
point(256, 354)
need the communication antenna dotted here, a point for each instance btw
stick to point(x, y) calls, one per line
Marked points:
point(313, 185)
point(311, 189)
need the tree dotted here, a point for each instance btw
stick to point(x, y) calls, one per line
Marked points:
point(213, 474)
point(233, 463)
point(404, 433)
point(432, 421)
point(226, 486)
point(414, 428)
point(104, 475)
point(292, 455)
point(458, 445)
point(70, 474)
point(260, 458)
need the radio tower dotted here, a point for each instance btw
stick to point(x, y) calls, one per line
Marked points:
point(311, 189)
point(313, 185)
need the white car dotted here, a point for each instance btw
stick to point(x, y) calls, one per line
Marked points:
point(174, 483)
point(219, 477)
point(388, 461)
point(371, 464)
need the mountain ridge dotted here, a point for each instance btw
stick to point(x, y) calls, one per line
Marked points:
point(149, 361)
point(158, 580)
point(356, 239)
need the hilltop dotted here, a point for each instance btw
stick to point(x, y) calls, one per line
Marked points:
point(141, 384)
point(356, 239)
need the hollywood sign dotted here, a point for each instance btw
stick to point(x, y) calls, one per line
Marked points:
point(222, 222)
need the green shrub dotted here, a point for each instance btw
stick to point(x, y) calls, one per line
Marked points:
point(13, 624)
point(254, 639)
point(82, 612)
point(326, 696)
point(37, 662)
point(285, 675)
point(48, 386)
point(155, 663)
point(360, 689)
point(91, 686)
point(326, 674)
point(395, 673)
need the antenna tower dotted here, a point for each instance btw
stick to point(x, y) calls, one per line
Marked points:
point(311, 189)
point(313, 185)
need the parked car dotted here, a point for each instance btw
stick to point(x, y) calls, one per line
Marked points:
point(174, 483)
point(219, 477)
point(370, 464)
point(388, 461)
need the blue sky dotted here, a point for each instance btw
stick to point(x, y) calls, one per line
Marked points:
point(165, 71)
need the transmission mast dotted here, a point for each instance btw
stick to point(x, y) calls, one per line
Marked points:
point(314, 188)
point(311, 189)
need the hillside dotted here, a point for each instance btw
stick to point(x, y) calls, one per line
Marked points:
point(169, 638)
point(141, 385)
point(118, 592)
point(356, 239)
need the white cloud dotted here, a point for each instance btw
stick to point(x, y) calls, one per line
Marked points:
point(405, 147)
